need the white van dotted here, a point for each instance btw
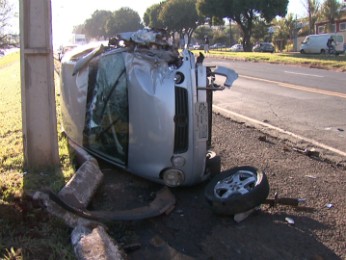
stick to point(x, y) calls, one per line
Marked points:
point(317, 43)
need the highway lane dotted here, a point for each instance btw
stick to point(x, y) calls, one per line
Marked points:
point(307, 102)
point(298, 75)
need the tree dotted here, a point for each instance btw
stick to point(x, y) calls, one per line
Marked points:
point(6, 11)
point(201, 31)
point(259, 30)
point(312, 7)
point(123, 20)
point(151, 15)
point(95, 27)
point(176, 16)
point(331, 12)
point(180, 16)
point(79, 29)
point(243, 12)
point(285, 31)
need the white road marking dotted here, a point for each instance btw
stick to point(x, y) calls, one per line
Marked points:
point(297, 87)
point(304, 74)
point(238, 117)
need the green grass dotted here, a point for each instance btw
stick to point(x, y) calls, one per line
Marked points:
point(27, 232)
point(329, 62)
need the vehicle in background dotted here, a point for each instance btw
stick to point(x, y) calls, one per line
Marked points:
point(197, 46)
point(78, 39)
point(217, 46)
point(237, 48)
point(317, 43)
point(264, 47)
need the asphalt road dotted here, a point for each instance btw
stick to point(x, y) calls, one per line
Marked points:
point(309, 103)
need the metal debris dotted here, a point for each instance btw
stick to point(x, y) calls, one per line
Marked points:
point(329, 205)
point(289, 220)
point(309, 152)
point(263, 138)
point(244, 215)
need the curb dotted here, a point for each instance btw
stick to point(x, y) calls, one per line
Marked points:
point(328, 152)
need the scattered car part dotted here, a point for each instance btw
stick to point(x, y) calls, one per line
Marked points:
point(239, 217)
point(237, 190)
point(163, 202)
point(289, 220)
point(329, 205)
point(283, 201)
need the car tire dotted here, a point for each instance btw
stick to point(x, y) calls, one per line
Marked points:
point(237, 190)
point(323, 51)
point(302, 52)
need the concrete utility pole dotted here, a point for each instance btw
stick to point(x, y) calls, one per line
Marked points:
point(37, 82)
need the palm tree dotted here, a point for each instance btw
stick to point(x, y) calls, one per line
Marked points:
point(331, 12)
point(312, 8)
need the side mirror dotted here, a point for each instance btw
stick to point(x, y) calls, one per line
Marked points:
point(230, 75)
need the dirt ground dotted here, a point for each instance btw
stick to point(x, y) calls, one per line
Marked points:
point(193, 231)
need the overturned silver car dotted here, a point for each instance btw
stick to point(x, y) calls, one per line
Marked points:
point(140, 105)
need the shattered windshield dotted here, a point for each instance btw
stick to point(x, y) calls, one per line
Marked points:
point(106, 122)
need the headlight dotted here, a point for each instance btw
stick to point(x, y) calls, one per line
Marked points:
point(173, 177)
point(179, 78)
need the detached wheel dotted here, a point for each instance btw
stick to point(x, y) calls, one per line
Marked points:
point(237, 190)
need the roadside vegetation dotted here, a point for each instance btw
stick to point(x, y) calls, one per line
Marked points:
point(27, 231)
point(320, 61)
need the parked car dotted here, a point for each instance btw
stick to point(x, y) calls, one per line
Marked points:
point(264, 47)
point(237, 47)
point(197, 47)
point(140, 105)
point(217, 46)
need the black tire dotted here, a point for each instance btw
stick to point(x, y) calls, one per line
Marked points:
point(253, 194)
point(323, 51)
point(302, 52)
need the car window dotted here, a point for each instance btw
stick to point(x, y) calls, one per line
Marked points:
point(339, 38)
point(106, 122)
point(306, 40)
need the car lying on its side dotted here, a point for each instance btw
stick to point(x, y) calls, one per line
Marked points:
point(142, 106)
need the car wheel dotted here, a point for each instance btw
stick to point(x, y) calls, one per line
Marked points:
point(302, 52)
point(237, 190)
point(323, 51)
